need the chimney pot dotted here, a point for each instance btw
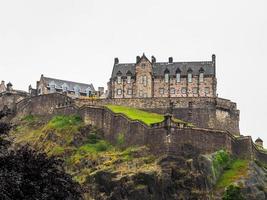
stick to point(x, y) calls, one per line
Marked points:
point(170, 60)
point(116, 61)
point(137, 59)
point(153, 59)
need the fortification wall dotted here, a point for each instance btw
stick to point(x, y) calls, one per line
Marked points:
point(10, 99)
point(204, 112)
point(160, 138)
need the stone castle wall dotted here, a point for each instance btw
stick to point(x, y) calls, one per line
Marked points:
point(204, 112)
point(161, 139)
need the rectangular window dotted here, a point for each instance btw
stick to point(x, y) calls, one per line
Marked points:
point(119, 79)
point(190, 78)
point(195, 90)
point(129, 91)
point(207, 90)
point(161, 91)
point(178, 78)
point(119, 91)
point(166, 77)
point(172, 90)
point(128, 79)
point(184, 90)
point(201, 77)
point(144, 80)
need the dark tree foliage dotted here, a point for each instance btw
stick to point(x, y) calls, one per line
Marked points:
point(26, 174)
point(4, 128)
point(233, 193)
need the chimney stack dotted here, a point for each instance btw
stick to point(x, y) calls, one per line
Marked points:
point(137, 59)
point(116, 61)
point(153, 59)
point(9, 87)
point(170, 60)
point(213, 58)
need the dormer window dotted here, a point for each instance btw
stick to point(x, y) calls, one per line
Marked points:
point(52, 86)
point(129, 79)
point(166, 76)
point(201, 75)
point(88, 92)
point(64, 87)
point(189, 76)
point(178, 76)
point(77, 91)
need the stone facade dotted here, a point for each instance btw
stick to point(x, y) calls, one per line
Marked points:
point(48, 85)
point(146, 79)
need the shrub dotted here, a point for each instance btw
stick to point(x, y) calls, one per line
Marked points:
point(233, 193)
point(120, 139)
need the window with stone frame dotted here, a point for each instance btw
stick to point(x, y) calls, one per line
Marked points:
point(166, 77)
point(195, 90)
point(178, 78)
point(129, 91)
point(184, 90)
point(207, 90)
point(119, 79)
point(161, 90)
point(189, 77)
point(140, 93)
point(172, 90)
point(201, 77)
point(144, 80)
point(119, 91)
point(129, 79)
point(52, 86)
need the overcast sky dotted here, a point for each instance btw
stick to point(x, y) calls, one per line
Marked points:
point(78, 40)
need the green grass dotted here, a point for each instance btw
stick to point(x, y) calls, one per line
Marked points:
point(135, 114)
point(30, 119)
point(220, 160)
point(237, 169)
point(63, 122)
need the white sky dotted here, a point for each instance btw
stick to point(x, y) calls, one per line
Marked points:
point(78, 40)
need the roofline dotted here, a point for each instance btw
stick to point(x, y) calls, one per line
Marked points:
point(90, 84)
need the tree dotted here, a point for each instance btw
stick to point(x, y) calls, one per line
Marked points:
point(26, 174)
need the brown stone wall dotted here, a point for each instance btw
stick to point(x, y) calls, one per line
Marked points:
point(10, 99)
point(204, 112)
point(143, 86)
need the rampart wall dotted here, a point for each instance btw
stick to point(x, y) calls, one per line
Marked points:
point(162, 138)
point(204, 112)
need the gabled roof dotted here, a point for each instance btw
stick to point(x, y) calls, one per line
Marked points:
point(71, 85)
point(207, 67)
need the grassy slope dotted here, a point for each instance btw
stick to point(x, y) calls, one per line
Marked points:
point(236, 170)
point(57, 136)
point(135, 114)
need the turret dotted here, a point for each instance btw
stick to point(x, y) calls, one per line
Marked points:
point(9, 87)
point(259, 142)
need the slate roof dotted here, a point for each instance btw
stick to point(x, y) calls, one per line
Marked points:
point(59, 83)
point(159, 68)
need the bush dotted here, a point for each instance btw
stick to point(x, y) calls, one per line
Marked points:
point(233, 193)
point(26, 174)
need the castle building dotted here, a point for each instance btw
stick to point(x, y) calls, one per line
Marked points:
point(146, 79)
point(48, 85)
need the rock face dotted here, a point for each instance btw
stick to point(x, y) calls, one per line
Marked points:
point(255, 185)
point(179, 177)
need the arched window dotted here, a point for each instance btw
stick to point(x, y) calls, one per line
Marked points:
point(144, 80)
